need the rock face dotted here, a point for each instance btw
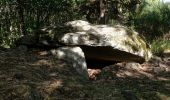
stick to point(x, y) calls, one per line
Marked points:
point(104, 42)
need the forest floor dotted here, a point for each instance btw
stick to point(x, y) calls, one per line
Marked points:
point(36, 75)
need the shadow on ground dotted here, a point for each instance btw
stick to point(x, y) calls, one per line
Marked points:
point(35, 75)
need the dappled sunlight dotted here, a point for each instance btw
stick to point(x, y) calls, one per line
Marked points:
point(79, 25)
point(38, 76)
point(73, 56)
point(43, 76)
point(162, 78)
point(162, 96)
point(124, 74)
point(143, 71)
point(43, 62)
point(84, 50)
point(48, 87)
point(43, 53)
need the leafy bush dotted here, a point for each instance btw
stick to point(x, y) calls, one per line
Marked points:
point(153, 19)
point(159, 46)
point(35, 14)
point(149, 17)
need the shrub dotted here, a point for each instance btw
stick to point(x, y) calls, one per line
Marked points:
point(153, 20)
point(159, 46)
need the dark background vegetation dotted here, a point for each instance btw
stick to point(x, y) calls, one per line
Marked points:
point(150, 18)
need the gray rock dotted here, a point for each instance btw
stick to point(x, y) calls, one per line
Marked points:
point(74, 56)
point(105, 42)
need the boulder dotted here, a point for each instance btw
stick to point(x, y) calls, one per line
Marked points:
point(73, 56)
point(106, 43)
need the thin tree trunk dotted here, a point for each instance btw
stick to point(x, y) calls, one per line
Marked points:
point(38, 20)
point(103, 8)
point(21, 17)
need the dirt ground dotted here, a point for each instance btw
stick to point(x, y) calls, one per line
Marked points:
point(36, 75)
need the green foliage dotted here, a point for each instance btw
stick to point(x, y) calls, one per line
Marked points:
point(154, 20)
point(8, 23)
point(114, 11)
point(159, 46)
point(37, 13)
point(147, 16)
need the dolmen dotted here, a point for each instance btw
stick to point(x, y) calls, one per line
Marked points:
point(80, 42)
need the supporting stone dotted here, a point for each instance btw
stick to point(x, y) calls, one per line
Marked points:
point(74, 56)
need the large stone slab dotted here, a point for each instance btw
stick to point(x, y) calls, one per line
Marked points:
point(106, 42)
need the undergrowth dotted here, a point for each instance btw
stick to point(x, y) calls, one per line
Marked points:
point(158, 46)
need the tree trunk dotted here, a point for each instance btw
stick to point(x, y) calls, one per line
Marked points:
point(20, 9)
point(103, 9)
